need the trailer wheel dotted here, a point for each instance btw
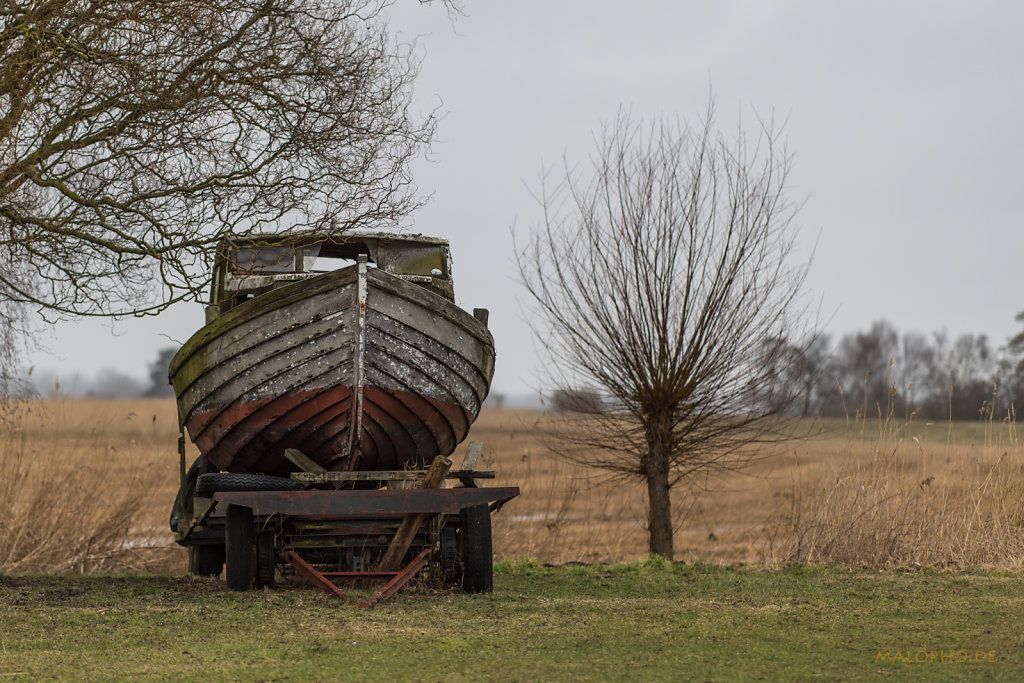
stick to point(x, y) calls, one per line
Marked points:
point(450, 562)
point(477, 556)
point(265, 558)
point(206, 560)
point(238, 548)
point(209, 484)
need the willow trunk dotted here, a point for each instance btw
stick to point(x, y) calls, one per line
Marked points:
point(656, 467)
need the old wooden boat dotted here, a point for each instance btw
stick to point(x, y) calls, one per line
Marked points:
point(369, 365)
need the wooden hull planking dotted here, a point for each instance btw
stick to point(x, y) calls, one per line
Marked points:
point(291, 368)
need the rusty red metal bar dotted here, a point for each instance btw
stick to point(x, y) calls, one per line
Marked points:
point(315, 577)
point(322, 580)
point(366, 504)
point(401, 578)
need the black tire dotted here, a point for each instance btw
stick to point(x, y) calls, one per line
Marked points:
point(238, 548)
point(266, 558)
point(477, 555)
point(206, 560)
point(209, 484)
point(451, 564)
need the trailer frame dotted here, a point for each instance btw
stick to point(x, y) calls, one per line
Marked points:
point(351, 530)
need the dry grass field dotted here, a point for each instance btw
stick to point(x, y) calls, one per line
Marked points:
point(86, 485)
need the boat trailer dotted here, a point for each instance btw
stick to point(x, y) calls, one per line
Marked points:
point(360, 527)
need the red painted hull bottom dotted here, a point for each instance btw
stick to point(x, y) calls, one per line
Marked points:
point(400, 430)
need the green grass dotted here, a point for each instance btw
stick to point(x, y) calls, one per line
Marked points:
point(644, 621)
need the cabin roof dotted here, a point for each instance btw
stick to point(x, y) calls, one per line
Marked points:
point(347, 245)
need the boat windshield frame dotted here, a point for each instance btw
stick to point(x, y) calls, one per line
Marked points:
point(247, 266)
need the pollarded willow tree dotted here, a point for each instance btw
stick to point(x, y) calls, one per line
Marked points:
point(662, 278)
point(135, 133)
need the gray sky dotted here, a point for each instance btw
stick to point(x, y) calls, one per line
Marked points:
point(907, 121)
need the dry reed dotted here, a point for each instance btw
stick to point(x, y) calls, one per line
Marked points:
point(77, 484)
point(906, 498)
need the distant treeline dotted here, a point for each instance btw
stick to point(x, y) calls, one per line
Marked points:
point(106, 382)
point(883, 371)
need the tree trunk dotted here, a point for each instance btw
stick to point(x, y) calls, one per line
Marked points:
point(659, 517)
point(656, 468)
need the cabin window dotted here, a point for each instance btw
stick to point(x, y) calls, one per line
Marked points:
point(274, 259)
point(315, 262)
point(264, 260)
point(425, 259)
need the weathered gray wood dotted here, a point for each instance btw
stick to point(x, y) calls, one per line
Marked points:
point(407, 307)
point(411, 523)
point(473, 452)
point(421, 298)
point(360, 475)
point(469, 462)
point(384, 475)
point(285, 377)
point(430, 367)
point(302, 461)
point(271, 373)
point(467, 373)
point(263, 327)
point(258, 322)
point(213, 373)
point(268, 303)
point(355, 432)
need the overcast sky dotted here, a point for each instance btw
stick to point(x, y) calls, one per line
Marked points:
point(906, 119)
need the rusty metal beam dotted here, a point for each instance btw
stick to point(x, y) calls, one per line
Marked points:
point(322, 580)
point(315, 577)
point(365, 504)
point(402, 578)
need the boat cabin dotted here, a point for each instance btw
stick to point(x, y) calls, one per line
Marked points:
point(247, 266)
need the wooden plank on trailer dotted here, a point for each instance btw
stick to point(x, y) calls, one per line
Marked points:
point(411, 523)
point(302, 461)
point(469, 462)
point(384, 475)
point(359, 475)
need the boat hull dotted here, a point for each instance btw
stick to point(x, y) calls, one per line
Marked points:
point(389, 384)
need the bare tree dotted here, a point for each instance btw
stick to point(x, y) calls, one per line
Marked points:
point(865, 364)
point(134, 133)
point(968, 378)
point(662, 278)
point(10, 346)
point(14, 328)
point(798, 369)
point(159, 369)
point(918, 370)
point(1015, 371)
